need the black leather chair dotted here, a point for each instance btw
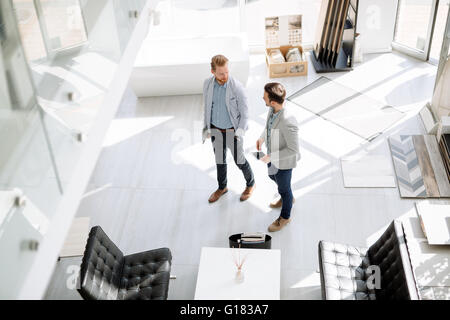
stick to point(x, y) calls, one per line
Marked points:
point(106, 274)
point(345, 272)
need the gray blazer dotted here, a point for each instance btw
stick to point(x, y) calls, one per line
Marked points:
point(285, 151)
point(236, 102)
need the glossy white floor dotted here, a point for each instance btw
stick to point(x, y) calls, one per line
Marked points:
point(154, 176)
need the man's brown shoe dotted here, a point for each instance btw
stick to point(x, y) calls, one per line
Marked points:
point(279, 204)
point(279, 224)
point(247, 193)
point(217, 194)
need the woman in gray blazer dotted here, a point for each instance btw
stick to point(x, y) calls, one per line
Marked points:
point(281, 138)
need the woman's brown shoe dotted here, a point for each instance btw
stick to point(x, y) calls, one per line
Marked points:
point(217, 194)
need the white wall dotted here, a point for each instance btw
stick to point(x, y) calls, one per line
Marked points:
point(376, 24)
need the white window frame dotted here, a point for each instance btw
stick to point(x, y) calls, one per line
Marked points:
point(444, 49)
point(416, 53)
point(50, 52)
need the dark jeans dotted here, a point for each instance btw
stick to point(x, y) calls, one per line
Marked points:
point(283, 180)
point(222, 141)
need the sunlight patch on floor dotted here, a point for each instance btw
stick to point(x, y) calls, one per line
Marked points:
point(310, 281)
point(125, 128)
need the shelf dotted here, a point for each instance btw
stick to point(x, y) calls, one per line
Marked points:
point(351, 6)
point(323, 67)
point(348, 24)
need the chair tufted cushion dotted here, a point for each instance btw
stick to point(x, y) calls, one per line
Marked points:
point(343, 272)
point(390, 254)
point(105, 274)
point(101, 267)
point(344, 269)
point(146, 275)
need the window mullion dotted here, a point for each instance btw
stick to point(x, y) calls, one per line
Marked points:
point(43, 26)
point(444, 49)
point(430, 32)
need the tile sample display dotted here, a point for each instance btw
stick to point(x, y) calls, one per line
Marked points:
point(369, 171)
point(338, 40)
point(435, 221)
point(334, 42)
point(327, 28)
point(350, 109)
point(338, 22)
point(419, 167)
point(407, 169)
point(423, 158)
point(444, 146)
point(323, 16)
point(429, 262)
point(438, 165)
point(332, 29)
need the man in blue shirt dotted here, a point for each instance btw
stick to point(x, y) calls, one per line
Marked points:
point(225, 122)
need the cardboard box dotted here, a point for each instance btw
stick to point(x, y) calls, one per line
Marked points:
point(284, 33)
point(286, 69)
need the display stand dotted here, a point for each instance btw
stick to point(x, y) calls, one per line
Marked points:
point(284, 33)
point(335, 37)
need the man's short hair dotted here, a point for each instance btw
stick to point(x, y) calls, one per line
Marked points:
point(218, 61)
point(276, 92)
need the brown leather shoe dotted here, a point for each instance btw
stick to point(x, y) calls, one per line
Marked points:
point(217, 194)
point(279, 224)
point(279, 204)
point(247, 193)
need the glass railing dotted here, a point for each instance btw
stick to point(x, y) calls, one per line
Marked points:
point(29, 180)
point(74, 48)
point(58, 59)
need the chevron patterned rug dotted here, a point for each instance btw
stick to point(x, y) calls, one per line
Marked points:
point(407, 169)
point(418, 167)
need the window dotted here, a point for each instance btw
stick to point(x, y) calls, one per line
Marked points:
point(419, 29)
point(63, 22)
point(30, 30)
point(413, 27)
point(413, 19)
point(49, 26)
point(439, 28)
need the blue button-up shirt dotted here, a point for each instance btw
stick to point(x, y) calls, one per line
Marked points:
point(219, 115)
point(272, 118)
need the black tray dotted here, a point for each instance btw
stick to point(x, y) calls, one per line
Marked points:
point(267, 244)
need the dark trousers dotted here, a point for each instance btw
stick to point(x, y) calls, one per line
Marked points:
point(283, 180)
point(222, 141)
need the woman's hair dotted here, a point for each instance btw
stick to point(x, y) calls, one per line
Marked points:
point(218, 61)
point(276, 92)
